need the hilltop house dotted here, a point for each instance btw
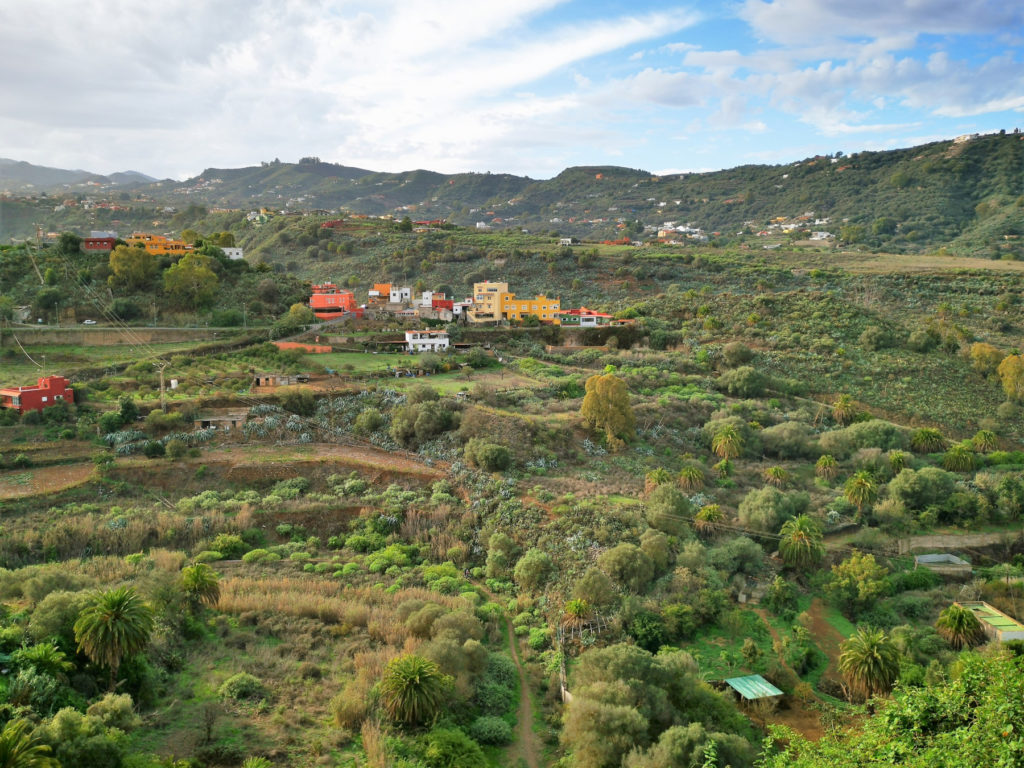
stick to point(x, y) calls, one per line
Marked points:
point(328, 301)
point(49, 391)
point(584, 318)
point(159, 245)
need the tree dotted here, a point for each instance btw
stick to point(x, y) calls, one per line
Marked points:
point(667, 509)
point(869, 662)
point(857, 582)
point(1011, 374)
point(844, 411)
point(960, 627)
point(985, 441)
point(764, 509)
point(985, 358)
point(691, 478)
point(801, 543)
point(200, 584)
point(19, 748)
point(413, 689)
point(628, 565)
point(708, 520)
point(192, 281)
point(606, 406)
point(113, 624)
point(727, 442)
point(532, 570)
point(861, 490)
point(777, 476)
point(131, 268)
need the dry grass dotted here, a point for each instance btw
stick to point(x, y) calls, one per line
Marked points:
point(374, 745)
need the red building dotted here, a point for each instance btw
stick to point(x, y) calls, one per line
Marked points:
point(328, 301)
point(438, 301)
point(50, 390)
point(93, 244)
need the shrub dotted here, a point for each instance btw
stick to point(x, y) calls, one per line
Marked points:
point(153, 449)
point(369, 420)
point(744, 381)
point(532, 570)
point(788, 440)
point(764, 509)
point(241, 687)
point(491, 730)
point(488, 456)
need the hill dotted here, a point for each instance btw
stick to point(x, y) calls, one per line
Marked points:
point(19, 176)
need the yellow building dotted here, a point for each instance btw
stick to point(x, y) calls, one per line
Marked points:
point(159, 245)
point(493, 302)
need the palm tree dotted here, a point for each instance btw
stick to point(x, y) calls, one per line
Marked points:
point(777, 476)
point(869, 662)
point(985, 441)
point(801, 543)
point(113, 625)
point(897, 461)
point(727, 442)
point(707, 520)
point(960, 627)
point(576, 613)
point(20, 749)
point(827, 467)
point(656, 477)
point(200, 584)
point(843, 410)
point(723, 468)
point(413, 689)
point(959, 458)
point(861, 490)
point(927, 440)
point(691, 478)
point(45, 658)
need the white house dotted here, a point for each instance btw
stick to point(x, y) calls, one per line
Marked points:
point(426, 341)
point(400, 294)
point(235, 254)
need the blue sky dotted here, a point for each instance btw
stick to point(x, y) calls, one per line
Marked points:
point(521, 86)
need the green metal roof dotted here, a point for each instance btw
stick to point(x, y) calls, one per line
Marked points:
point(753, 687)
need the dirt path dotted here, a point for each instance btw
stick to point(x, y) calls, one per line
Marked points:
point(524, 750)
point(796, 715)
point(827, 637)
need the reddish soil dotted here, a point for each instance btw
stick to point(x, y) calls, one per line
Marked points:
point(40, 480)
point(827, 637)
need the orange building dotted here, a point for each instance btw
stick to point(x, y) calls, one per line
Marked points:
point(329, 301)
point(380, 294)
point(159, 245)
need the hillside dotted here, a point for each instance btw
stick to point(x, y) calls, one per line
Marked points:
point(966, 195)
point(17, 176)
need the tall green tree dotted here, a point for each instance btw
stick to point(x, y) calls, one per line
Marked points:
point(131, 268)
point(869, 662)
point(861, 490)
point(960, 627)
point(1011, 374)
point(113, 624)
point(192, 280)
point(801, 543)
point(606, 406)
point(19, 748)
point(413, 689)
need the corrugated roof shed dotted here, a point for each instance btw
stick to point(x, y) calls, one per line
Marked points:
point(753, 687)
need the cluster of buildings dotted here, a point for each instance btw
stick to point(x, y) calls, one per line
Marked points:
point(158, 245)
point(491, 303)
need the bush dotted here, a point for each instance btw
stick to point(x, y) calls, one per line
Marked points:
point(491, 730)
point(488, 456)
point(451, 748)
point(369, 420)
point(788, 440)
point(153, 449)
point(744, 381)
point(765, 509)
point(241, 687)
point(176, 449)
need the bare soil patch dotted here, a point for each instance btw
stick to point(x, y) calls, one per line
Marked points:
point(35, 481)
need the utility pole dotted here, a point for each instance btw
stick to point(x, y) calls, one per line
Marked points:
point(163, 392)
point(32, 258)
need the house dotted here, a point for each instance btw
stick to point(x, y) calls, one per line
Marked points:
point(49, 391)
point(329, 302)
point(159, 245)
point(996, 624)
point(545, 309)
point(380, 294)
point(487, 302)
point(426, 341)
point(567, 241)
point(943, 564)
point(221, 419)
point(584, 318)
point(274, 380)
point(400, 294)
point(492, 302)
point(98, 244)
point(234, 254)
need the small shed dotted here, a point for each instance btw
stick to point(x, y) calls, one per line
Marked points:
point(997, 625)
point(753, 687)
point(224, 419)
point(943, 564)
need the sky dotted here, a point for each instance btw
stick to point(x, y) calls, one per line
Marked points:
point(528, 87)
